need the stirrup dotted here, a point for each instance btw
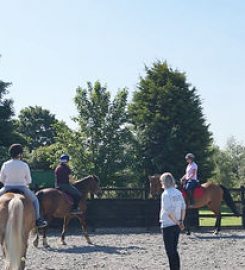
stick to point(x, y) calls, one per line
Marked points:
point(75, 211)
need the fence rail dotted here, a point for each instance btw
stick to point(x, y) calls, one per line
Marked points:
point(132, 207)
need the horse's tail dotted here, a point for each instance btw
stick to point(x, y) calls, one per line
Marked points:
point(39, 195)
point(14, 234)
point(229, 201)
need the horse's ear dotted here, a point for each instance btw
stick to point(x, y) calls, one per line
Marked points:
point(150, 177)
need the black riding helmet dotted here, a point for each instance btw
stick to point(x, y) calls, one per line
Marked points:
point(15, 150)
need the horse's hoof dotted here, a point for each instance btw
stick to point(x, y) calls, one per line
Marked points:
point(89, 242)
point(188, 233)
point(63, 243)
point(35, 243)
point(46, 246)
point(216, 233)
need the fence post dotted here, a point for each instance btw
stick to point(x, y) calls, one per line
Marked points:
point(243, 205)
point(147, 189)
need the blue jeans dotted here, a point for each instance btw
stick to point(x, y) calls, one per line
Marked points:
point(191, 184)
point(28, 193)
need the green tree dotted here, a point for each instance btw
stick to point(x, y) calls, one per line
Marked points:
point(104, 123)
point(222, 168)
point(236, 152)
point(37, 126)
point(166, 112)
point(6, 114)
point(8, 135)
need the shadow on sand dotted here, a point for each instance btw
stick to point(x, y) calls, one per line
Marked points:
point(94, 248)
point(220, 236)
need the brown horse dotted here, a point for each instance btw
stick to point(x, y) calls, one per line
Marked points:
point(16, 222)
point(54, 204)
point(213, 195)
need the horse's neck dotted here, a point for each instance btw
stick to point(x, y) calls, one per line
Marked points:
point(84, 196)
point(84, 191)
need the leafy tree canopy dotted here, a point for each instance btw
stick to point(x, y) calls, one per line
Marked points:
point(37, 126)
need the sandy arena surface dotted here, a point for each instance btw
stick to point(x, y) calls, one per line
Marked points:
point(135, 249)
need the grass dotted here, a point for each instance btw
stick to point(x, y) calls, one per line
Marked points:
point(226, 221)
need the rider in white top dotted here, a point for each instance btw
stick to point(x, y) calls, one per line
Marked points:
point(15, 175)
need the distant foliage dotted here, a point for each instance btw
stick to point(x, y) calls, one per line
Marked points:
point(37, 126)
point(8, 134)
point(230, 164)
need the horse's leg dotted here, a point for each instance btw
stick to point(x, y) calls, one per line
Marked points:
point(187, 222)
point(36, 240)
point(45, 242)
point(67, 219)
point(84, 228)
point(214, 207)
point(217, 223)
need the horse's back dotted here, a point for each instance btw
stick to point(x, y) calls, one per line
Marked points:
point(213, 191)
point(53, 202)
point(29, 215)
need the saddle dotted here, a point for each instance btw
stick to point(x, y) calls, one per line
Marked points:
point(15, 191)
point(198, 192)
point(68, 198)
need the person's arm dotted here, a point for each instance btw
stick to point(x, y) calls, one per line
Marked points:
point(72, 179)
point(193, 173)
point(28, 175)
point(183, 213)
point(2, 174)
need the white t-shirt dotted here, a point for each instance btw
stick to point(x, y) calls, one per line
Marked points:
point(173, 202)
point(189, 171)
point(15, 173)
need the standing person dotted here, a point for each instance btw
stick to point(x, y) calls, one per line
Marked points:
point(190, 178)
point(15, 174)
point(63, 174)
point(172, 214)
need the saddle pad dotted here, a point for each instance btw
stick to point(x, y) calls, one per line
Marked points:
point(198, 193)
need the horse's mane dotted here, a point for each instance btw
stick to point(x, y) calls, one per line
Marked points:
point(87, 178)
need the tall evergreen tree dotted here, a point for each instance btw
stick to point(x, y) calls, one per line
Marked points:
point(167, 114)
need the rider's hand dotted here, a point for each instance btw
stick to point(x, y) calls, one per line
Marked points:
point(181, 225)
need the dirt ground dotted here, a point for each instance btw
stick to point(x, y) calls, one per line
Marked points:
point(118, 249)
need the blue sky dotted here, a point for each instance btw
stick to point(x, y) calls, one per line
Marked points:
point(48, 48)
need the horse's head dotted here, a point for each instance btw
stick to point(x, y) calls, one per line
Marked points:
point(155, 185)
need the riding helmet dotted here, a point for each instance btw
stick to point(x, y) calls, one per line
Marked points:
point(64, 158)
point(190, 156)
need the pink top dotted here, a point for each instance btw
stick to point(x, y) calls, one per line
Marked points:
point(191, 171)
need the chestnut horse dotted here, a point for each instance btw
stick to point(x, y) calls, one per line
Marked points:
point(55, 204)
point(213, 195)
point(17, 219)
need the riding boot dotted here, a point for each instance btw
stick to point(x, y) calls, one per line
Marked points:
point(191, 199)
point(75, 208)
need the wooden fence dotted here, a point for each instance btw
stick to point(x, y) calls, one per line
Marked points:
point(123, 207)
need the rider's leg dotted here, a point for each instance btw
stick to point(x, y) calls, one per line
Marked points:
point(2, 191)
point(75, 194)
point(31, 195)
point(190, 190)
